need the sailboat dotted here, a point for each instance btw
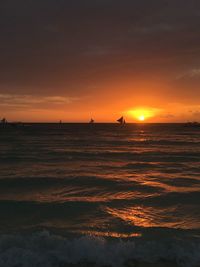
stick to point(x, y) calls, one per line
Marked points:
point(121, 120)
point(192, 124)
point(91, 121)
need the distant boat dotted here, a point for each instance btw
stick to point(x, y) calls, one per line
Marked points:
point(192, 124)
point(91, 121)
point(121, 120)
point(17, 124)
point(3, 122)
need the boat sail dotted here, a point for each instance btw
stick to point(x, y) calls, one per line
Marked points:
point(91, 121)
point(121, 120)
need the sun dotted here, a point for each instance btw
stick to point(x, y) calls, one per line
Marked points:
point(141, 118)
point(143, 113)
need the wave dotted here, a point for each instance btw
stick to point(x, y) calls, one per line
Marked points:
point(104, 155)
point(130, 143)
point(97, 185)
point(45, 250)
point(163, 200)
point(181, 182)
point(175, 210)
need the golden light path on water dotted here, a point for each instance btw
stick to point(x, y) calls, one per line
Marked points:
point(111, 234)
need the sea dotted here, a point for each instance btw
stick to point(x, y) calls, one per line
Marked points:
point(99, 195)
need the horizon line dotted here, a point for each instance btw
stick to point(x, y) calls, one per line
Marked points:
point(101, 122)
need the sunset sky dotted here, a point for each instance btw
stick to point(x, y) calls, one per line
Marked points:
point(77, 59)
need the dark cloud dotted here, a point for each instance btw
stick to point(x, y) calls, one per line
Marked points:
point(195, 113)
point(28, 102)
point(167, 116)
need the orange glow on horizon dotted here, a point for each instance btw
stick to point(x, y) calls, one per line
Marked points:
point(143, 114)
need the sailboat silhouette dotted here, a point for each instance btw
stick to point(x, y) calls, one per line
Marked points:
point(121, 120)
point(91, 121)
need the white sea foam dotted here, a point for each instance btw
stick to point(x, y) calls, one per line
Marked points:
point(46, 250)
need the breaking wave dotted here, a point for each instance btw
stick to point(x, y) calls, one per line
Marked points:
point(45, 250)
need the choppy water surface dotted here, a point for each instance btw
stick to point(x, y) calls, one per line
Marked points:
point(139, 184)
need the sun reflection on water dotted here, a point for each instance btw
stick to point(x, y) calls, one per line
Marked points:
point(111, 234)
point(137, 216)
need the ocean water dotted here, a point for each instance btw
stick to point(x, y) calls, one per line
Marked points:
point(102, 194)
